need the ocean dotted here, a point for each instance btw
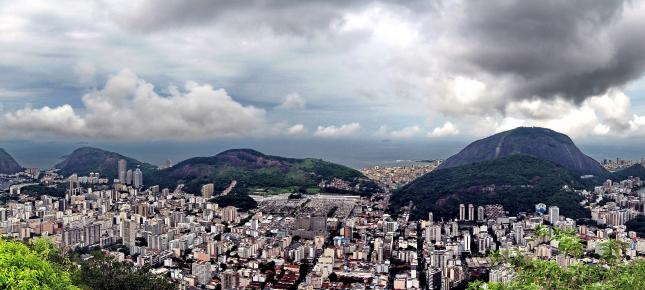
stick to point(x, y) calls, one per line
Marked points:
point(353, 153)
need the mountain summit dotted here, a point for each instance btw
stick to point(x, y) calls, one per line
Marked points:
point(8, 165)
point(89, 159)
point(541, 143)
point(517, 169)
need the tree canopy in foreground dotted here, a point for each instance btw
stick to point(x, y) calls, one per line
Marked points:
point(611, 272)
point(25, 266)
point(39, 265)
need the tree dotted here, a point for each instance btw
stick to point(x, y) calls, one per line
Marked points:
point(27, 266)
point(569, 243)
point(103, 272)
point(542, 231)
point(540, 274)
point(612, 250)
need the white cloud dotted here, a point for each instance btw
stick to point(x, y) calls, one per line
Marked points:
point(608, 114)
point(298, 129)
point(446, 129)
point(333, 131)
point(293, 101)
point(128, 108)
point(406, 132)
point(29, 122)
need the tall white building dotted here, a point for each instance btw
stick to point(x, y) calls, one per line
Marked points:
point(129, 232)
point(481, 213)
point(202, 270)
point(518, 233)
point(554, 214)
point(137, 178)
point(462, 212)
point(128, 177)
point(390, 226)
point(433, 233)
point(471, 212)
point(467, 241)
point(208, 190)
point(123, 165)
point(229, 214)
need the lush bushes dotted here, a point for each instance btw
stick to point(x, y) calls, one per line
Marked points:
point(105, 273)
point(533, 273)
point(39, 265)
point(540, 274)
point(28, 266)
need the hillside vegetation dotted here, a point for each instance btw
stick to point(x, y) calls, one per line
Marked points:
point(40, 265)
point(518, 182)
point(252, 170)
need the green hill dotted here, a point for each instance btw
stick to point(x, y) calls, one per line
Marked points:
point(253, 170)
point(635, 170)
point(89, 159)
point(517, 181)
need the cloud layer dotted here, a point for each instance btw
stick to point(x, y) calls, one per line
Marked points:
point(394, 67)
point(337, 131)
point(129, 108)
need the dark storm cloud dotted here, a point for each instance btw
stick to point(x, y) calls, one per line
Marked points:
point(569, 49)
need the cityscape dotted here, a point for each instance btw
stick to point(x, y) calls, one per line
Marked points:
point(314, 145)
point(311, 241)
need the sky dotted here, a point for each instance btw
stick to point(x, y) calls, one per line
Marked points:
point(319, 72)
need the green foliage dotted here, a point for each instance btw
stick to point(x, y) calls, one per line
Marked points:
point(541, 274)
point(39, 265)
point(103, 272)
point(253, 170)
point(521, 181)
point(612, 250)
point(542, 231)
point(568, 243)
point(28, 266)
point(635, 170)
